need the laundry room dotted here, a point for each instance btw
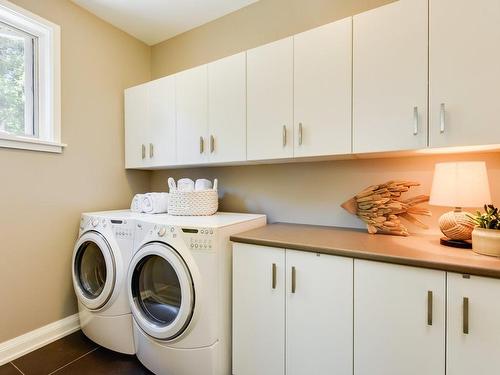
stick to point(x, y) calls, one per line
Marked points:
point(184, 182)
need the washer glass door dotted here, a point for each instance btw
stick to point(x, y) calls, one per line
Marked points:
point(161, 291)
point(93, 270)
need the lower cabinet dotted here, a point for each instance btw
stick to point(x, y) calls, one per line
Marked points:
point(292, 312)
point(303, 313)
point(399, 320)
point(318, 314)
point(473, 325)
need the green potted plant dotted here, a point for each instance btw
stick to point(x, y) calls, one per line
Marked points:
point(486, 234)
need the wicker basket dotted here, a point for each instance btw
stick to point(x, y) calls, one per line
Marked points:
point(192, 203)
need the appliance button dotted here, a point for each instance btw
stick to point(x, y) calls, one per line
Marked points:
point(192, 245)
point(95, 222)
point(196, 245)
point(171, 229)
point(211, 231)
point(162, 231)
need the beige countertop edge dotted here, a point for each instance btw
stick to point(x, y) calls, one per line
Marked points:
point(368, 255)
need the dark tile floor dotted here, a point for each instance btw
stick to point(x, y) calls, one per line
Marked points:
point(76, 355)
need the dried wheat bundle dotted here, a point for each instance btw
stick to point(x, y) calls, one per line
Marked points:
point(381, 207)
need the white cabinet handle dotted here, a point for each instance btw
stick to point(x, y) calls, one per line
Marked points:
point(273, 272)
point(465, 316)
point(143, 149)
point(429, 307)
point(442, 118)
point(212, 144)
point(202, 145)
point(415, 120)
point(300, 134)
point(284, 135)
point(151, 150)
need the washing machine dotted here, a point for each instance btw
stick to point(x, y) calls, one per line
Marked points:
point(179, 289)
point(101, 258)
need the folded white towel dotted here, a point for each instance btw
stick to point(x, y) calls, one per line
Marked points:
point(155, 203)
point(136, 205)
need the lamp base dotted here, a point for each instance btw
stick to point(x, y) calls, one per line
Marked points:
point(461, 244)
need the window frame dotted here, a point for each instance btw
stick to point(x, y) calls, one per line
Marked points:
point(47, 80)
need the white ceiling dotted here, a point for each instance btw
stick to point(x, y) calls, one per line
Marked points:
point(153, 21)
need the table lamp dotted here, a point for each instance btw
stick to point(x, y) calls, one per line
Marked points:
point(458, 185)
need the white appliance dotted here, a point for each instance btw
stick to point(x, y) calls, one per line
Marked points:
point(179, 288)
point(101, 257)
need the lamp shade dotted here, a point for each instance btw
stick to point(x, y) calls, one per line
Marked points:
point(460, 184)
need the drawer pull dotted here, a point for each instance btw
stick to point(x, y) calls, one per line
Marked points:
point(429, 308)
point(465, 314)
point(284, 135)
point(415, 120)
point(274, 276)
point(202, 145)
point(294, 279)
point(151, 150)
point(143, 149)
point(442, 118)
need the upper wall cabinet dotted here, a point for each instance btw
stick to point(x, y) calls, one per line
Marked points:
point(322, 90)
point(161, 130)
point(136, 125)
point(390, 77)
point(270, 101)
point(192, 115)
point(464, 72)
point(227, 109)
point(150, 124)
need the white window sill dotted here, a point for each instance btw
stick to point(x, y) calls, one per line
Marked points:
point(25, 143)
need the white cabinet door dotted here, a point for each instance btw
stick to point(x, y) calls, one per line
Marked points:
point(136, 125)
point(390, 77)
point(270, 101)
point(227, 109)
point(192, 115)
point(399, 327)
point(473, 333)
point(322, 90)
point(464, 82)
point(161, 133)
point(319, 312)
point(258, 310)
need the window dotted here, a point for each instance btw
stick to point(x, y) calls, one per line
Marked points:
point(29, 81)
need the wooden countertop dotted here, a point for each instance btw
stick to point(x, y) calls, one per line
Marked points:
point(415, 250)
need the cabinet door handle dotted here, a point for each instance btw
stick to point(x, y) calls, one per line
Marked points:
point(442, 118)
point(465, 316)
point(202, 145)
point(294, 279)
point(151, 150)
point(415, 120)
point(284, 135)
point(143, 149)
point(212, 144)
point(300, 134)
point(429, 307)
point(273, 272)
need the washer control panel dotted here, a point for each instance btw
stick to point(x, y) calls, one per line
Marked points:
point(199, 238)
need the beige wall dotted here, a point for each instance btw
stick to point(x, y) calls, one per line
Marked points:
point(257, 24)
point(306, 192)
point(41, 194)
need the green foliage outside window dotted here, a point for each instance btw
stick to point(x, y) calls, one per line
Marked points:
point(12, 96)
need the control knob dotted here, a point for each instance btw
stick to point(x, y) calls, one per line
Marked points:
point(162, 231)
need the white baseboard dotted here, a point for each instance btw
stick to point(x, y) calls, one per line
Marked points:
point(21, 345)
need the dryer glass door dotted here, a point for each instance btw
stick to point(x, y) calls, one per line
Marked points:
point(162, 291)
point(93, 270)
